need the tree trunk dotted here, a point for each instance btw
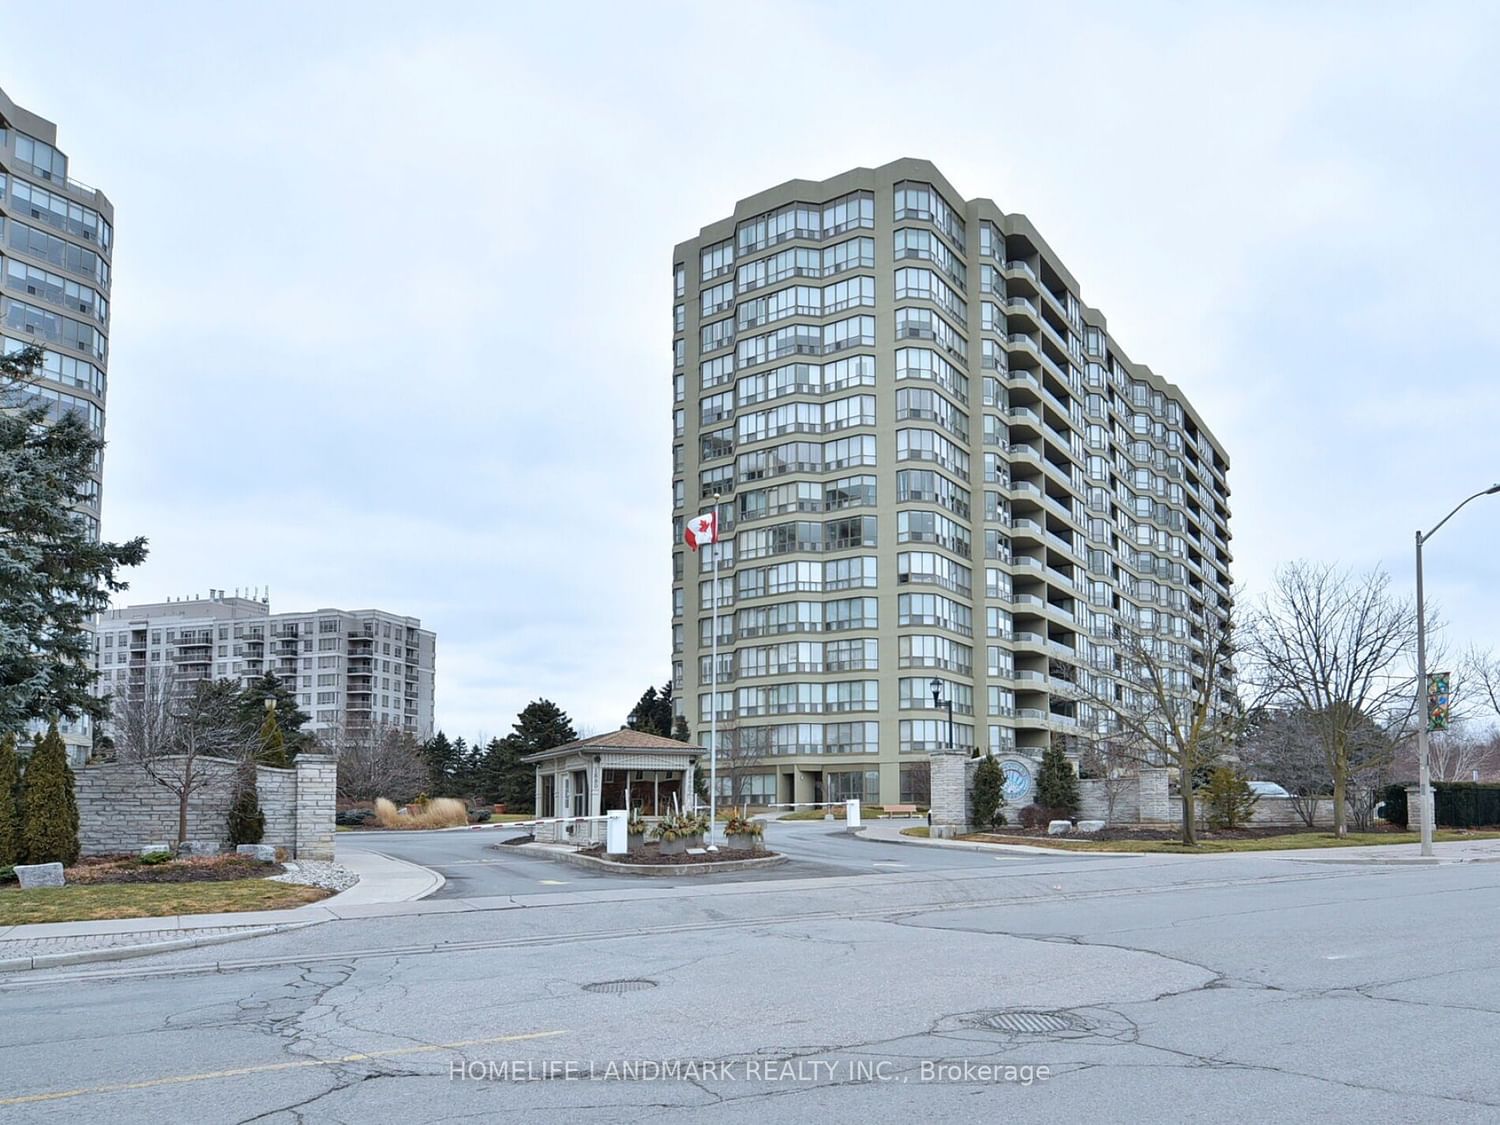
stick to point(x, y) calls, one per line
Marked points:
point(1340, 823)
point(182, 801)
point(1189, 827)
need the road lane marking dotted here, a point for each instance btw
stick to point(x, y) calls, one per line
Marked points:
point(553, 882)
point(888, 863)
point(266, 1068)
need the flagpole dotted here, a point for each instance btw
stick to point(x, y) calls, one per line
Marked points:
point(713, 690)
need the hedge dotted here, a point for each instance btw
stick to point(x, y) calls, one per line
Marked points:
point(1466, 804)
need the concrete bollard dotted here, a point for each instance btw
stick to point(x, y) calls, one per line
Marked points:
point(616, 834)
point(851, 814)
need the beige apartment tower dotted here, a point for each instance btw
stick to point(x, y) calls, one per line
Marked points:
point(932, 463)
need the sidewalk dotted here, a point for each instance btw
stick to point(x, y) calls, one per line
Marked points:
point(889, 832)
point(382, 880)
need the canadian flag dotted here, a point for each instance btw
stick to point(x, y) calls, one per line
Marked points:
point(704, 529)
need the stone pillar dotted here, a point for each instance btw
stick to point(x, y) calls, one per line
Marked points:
point(688, 773)
point(316, 774)
point(1155, 797)
point(596, 788)
point(950, 795)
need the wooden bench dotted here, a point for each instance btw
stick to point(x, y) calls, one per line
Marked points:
point(900, 810)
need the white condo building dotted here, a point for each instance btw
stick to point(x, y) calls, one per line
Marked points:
point(348, 667)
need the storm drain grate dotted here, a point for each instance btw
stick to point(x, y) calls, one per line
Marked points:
point(618, 986)
point(1032, 1023)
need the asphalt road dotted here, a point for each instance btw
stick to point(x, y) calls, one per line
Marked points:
point(475, 864)
point(1151, 988)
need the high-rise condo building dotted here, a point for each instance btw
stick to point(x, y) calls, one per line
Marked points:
point(933, 463)
point(350, 669)
point(56, 236)
point(55, 241)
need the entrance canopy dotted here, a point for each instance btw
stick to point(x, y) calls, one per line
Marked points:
point(620, 770)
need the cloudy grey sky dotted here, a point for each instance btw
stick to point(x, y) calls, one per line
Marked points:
point(392, 306)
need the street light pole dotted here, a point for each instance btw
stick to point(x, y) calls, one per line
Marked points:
point(937, 693)
point(1424, 765)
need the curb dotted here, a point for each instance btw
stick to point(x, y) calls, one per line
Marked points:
point(578, 859)
point(966, 846)
point(143, 949)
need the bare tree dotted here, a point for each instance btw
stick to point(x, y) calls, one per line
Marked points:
point(183, 735)
point(738, 758)
point(1170, 700)
point(1281, 746)
point(1457, 754)
point(1482, 668)
point(377, 760)
point(1334, 645)
point(1108, 761)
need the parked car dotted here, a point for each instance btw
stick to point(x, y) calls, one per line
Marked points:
point(1267, 789)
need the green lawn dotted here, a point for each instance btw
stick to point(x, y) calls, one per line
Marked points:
point(1295, 840)
point(149, 900)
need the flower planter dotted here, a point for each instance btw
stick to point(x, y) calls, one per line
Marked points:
point(672, 847)
point(693, 841)
point(744, 841)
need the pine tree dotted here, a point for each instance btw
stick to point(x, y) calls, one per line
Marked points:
point(273, 750)
point(10, 819)
point(290, 717)
point(503, 777)
point(54, 574)
point(247, 823)
point(49, 807)
point(989, 793)
point(680, 730)
point(1056, 783)
point(443, 764)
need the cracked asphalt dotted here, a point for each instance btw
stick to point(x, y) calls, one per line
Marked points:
point(866, 982)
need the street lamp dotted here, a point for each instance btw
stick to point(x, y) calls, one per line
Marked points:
point(1424, 767)
point(937, 701)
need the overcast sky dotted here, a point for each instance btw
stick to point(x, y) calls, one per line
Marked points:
point(391, 319)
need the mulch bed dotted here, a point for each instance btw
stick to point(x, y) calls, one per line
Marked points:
point(96, 870)
point(655, 858)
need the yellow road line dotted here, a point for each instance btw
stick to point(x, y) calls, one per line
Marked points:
point(266, 1068)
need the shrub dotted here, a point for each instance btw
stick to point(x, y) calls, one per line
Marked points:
point(352, 818)
point(480, 816)
point(49, 808)
point(989, 793)
point(1057, 784)
point(1034, 816)
point(1395, 810)
point(438, 812)
point(7, 874)
point(151, 859)
point(10, 819)
point(1466, 804)
point(247, 824)
point(1228, 798)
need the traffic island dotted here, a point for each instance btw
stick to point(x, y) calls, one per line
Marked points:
point(648, 861)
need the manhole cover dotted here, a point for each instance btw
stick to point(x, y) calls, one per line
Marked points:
point(615, 986)
point(1033, 1023)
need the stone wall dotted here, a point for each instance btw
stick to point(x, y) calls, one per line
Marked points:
point(121, 809)
point(952, 781)
point(1146, 799)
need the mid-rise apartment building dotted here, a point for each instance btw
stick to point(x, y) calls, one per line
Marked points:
point(932, 461)
point(349, 668)
point(56, 238)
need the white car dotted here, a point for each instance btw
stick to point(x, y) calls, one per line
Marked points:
point(1267, 789)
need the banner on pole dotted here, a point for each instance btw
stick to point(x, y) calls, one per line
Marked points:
point(1439, 700)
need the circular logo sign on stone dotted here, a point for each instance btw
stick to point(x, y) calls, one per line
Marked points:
point(1017, 780)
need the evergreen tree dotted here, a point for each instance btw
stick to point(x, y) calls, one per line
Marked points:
point(1056, 783)
point(10, 819)
point(643, 716)
point(54, 575)
point(273, 748)
point(502, 776)
point(989, 793)
point(290, 717)
point(465, 767)
point(247, 823)
point(443, 763)
point(680, 730)
point(49, 807)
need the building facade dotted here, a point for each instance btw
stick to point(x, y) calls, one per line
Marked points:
point(349, 668)
point(56, 239)
point(931, 462)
